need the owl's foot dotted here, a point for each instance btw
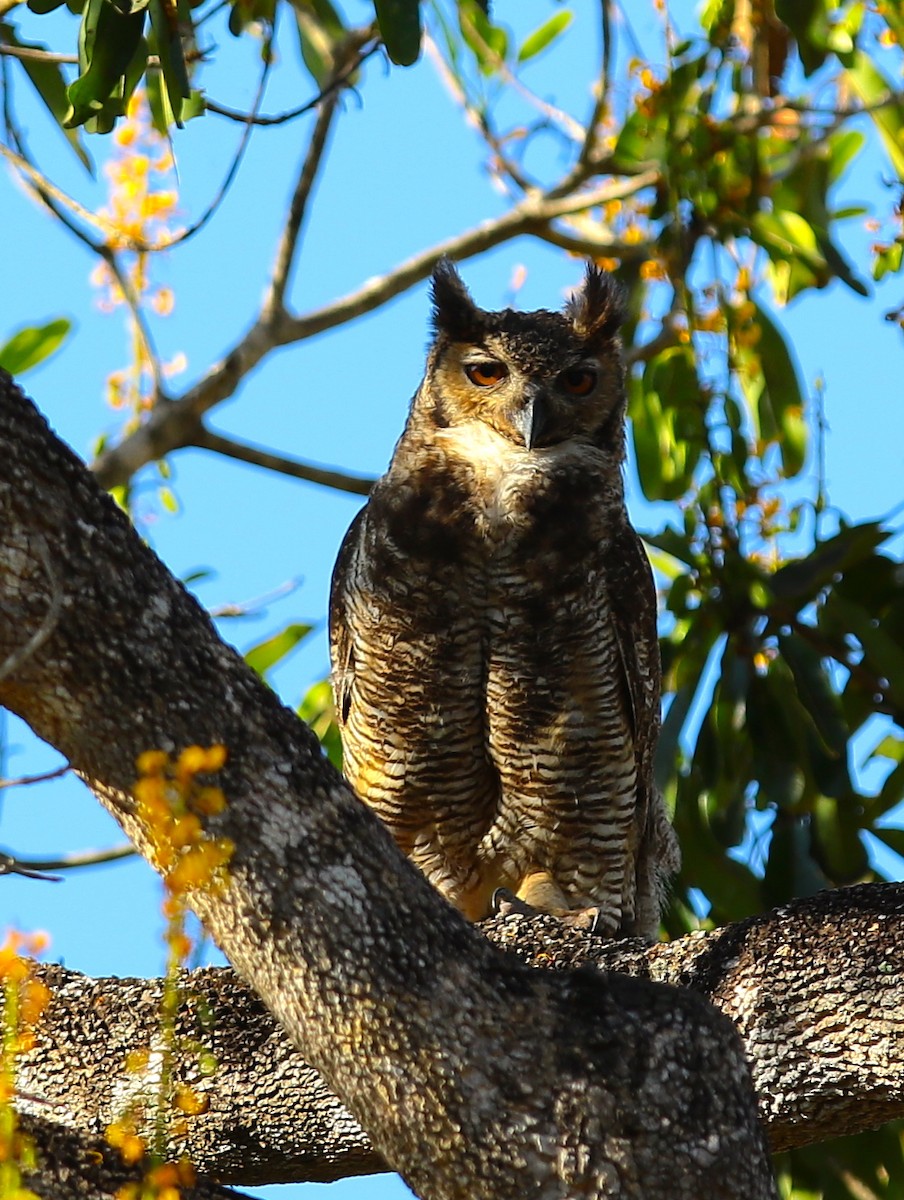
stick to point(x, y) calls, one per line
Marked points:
point(592, 919)
point(504, 902)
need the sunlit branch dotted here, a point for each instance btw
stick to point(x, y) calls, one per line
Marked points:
point(15, 864)
point(598, 243)
point(46, 189)
point(340, 480)
point(32, 54)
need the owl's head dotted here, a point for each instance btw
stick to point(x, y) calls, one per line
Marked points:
point(539, 379)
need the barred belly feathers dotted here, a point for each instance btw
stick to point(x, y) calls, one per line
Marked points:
point(493, 624)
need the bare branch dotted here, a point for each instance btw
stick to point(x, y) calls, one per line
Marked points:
point(274, 302)
point(28, 780)
point(342, 77)
point(46, 188)
point(340, 480)
point(69, 862)
point(175, 425)
point(775, 975)
point(31, 53)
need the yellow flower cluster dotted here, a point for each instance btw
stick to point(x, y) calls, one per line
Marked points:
point(142, 205)
point(172, 804)
point(24, 999)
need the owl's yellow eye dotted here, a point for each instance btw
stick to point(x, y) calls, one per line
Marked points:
point(486, 374)
point(578, 381)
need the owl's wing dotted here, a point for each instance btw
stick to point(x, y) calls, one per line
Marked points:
point(343, 583)
point(633, 604)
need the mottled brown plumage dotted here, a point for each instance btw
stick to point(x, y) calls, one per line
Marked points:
point(493, 623)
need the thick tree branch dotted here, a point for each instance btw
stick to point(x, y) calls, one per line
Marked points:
point(825, 1045)
point(472, 1073)
point(172, 424)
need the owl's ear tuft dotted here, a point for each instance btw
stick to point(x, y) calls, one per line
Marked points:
point(597, 310)
point(454, 312)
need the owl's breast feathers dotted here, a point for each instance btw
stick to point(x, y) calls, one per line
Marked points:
point(496, 668)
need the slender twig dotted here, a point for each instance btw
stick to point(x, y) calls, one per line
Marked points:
point(476, 119)
point(28, 780)
point(342, 481)
point(135, 307)
point(233, 114)
point(286, 251)
point(15, 864)
point(251, 608)
point(601, 100)
point(31, 53)
point(106, 252)
point(558, 116)
point(237, 157)
point(46, 188)
point(12, 866)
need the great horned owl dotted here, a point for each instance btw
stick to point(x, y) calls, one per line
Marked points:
point(493, 623)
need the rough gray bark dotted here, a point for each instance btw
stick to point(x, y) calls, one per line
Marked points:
point(825, 1045)
point(472, 1073)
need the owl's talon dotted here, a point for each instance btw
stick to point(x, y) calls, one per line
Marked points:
point(503, 903)
point(590, 920)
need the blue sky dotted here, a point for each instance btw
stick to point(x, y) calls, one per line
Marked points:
point(403, 172)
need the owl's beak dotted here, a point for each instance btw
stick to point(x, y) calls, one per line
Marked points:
point(534, 417)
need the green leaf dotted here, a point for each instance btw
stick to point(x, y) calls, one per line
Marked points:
point(264, 656)
point(888, 260)
point(874, 89)
point(815, 691)
point(111, 49)
point(666, 416)
point(33, 345)
point(537, 41)
point(488, 42)
point(791, 869)
point(318, 711)
point(782, 395)
point(808, 21)
point(400, 28)
point(801, 581)
point(166, 39)
point(320, 31)
point(787, 235)
point(837, 845)
point(643, 141)
point(47, 80)
point(844, 146)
